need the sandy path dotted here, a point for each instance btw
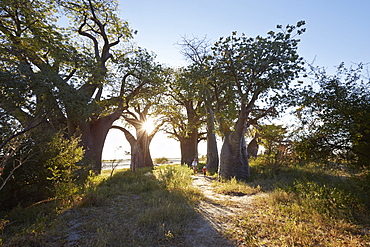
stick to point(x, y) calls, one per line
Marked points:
point(214, 213)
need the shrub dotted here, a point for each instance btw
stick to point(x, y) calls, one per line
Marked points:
point(162, 160)
point(323, 198)
point(64, 155)
point(174, 176)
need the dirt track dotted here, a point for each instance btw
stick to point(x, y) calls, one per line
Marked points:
point(214, 215)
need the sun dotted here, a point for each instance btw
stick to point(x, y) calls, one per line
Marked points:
point(148, 126)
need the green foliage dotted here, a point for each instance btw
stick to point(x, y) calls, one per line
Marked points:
point(25, 168)
point(50, 73)
point(274, 138)
point(63, 165)
point(335, 117)
point(174, 176)
point(104, 10)
point(256, 71)
point(183, 109)
point(45, 171)
point(139, 71)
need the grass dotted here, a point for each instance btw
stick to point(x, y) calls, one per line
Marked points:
point(296, 206)
point(235, 188)
point(279, 220)
point(302, 206)
point(142, 208)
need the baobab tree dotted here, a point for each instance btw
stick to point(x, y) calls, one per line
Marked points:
point(183, 113)
point(257, 71)
point(147, 79)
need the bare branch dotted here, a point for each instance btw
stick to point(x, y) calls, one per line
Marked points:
point(20, 163)
point(130, 138)
point(86, 34)
point(156, 129)
point(20, 133)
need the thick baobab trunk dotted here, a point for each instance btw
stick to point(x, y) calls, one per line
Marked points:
point(93, 137)
point(140, 153)
point(212, 154)
point(189, 148)
point(189, 143)
point(234, 157)
point(212, 151)
point(252, 148)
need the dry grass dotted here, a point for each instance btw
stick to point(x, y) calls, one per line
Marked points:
point(143, 208)
point(279, 220)
point(235, 187)
point(301, 207)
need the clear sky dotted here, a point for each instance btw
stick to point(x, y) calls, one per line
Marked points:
point(337, 31)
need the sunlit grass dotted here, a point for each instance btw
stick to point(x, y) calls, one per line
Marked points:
point(293, 206)
point(301, 206)
point(143, 208)
point(235, 187)
point(281, 219)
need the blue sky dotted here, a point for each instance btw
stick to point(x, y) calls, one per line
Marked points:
point(337, 31)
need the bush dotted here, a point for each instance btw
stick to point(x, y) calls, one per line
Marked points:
point(162, 160)
point(64, 155)
point(174, 176)
point(27, 184)
point(328, 200)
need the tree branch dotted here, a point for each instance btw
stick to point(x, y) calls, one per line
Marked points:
point(20, 133)
point(156, 129)
point(86, 34)
point(130, 138)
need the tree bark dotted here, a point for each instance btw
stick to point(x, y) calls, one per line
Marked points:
point(140, 153)
point(212, 151)
point(252, 148)
point(234, 156)
point(189, 148)
point(93, 134)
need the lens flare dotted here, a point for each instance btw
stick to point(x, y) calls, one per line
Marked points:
point(148, 126)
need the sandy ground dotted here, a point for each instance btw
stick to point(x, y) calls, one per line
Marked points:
point(213, 220)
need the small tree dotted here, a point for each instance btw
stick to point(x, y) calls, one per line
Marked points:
point(63, 166)
point(335, 116)
point(274, 139)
